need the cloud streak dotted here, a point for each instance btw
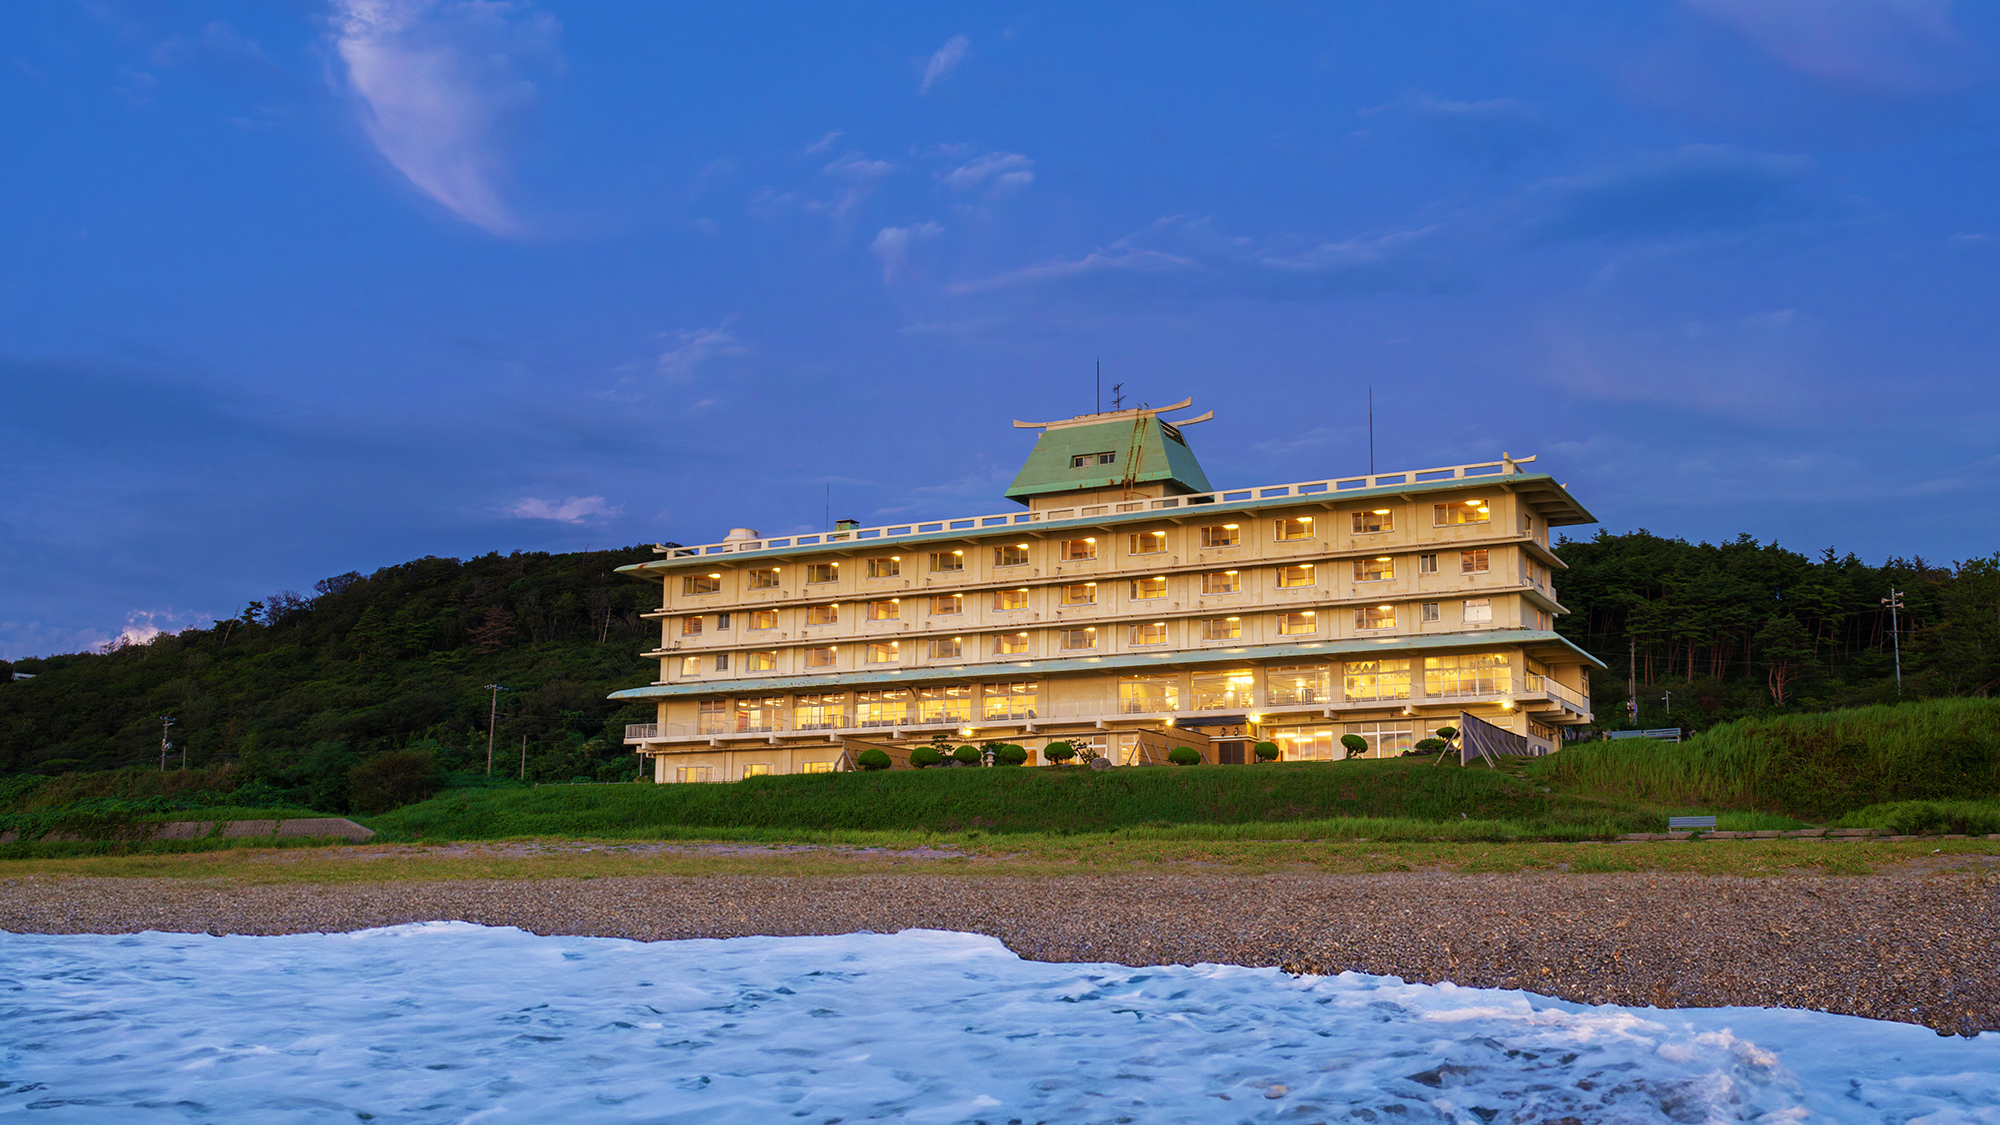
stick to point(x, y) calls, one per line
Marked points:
point(996, 171)
point(441, 85)
point(892, 245)
point(692, 350)
point(1888, 46)
point(944, 61)
point(575, 509)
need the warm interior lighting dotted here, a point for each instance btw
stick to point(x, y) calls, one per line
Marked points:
point(715, 576)
point(1312, 613)
point(1473, 504)
point(1381, 511)
point(1384, 607)
point(1231, 526)
point(1159, 624)
point(1160, 577)
point(1381, 558)
point(1229, 572)
point(958, 552)
point(1090, 583)
point(1305, 519)
point(895, 558)
point(1023, 546)
point(1090, 539)
point(1232, 619)
point(1092, 629)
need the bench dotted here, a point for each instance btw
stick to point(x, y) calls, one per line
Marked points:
point(1690, 823)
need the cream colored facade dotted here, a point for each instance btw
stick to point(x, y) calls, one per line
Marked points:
point(1133, 618)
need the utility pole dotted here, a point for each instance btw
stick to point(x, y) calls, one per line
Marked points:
point(492, 717)
point(1632, 679)
point(1895, 602)
point(1670, 703)
point(165, 722)
point(524, 757)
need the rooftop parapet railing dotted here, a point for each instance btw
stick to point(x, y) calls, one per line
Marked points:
point(1502, 467)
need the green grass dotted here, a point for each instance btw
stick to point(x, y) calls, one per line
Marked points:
point(1915, 818)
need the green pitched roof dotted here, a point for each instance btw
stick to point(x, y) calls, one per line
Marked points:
point(1144, 450)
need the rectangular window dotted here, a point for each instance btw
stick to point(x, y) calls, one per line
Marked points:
point(890, 609)
point(1222, 582)
point(701, 584)
point(1379, 569)
point(822, 572)
point(816, 767)
point(1300, 575)
point(1080, 593)
point(944, 562)
point(1471, 511)
point(945, 704)
point(1378, 519)
point(947, 648)
point(1010, 599)
point(1385, 740)
point(1222, 629)
point(1477, 673)
point(690, 665)
point(1077, 549)
point(1375, 617)
point(1149, 542)
point(1008, 701)
point(945, 605)
point(766, 661)
point(1016, 555)
point(690, 626)
point(1149, 694)
point(686, 774)
point(821, 712)
point(1472, 562)
point(1291, 684)
point(1146, 588)
point(1152, 634)
point(1079, 638)
point(888, 566)
point(721, 622)
point(823, 615)
point(1296, 624)
point(820, 657)
point(1477, 611)
point(1232, 689)
point(882, 708)
point(757, 769)
point(884, 653)
point(712, 717)
point(1428, 611)
point(764, 579)
point(1083, 460)
point(1368, 680)
point(1008, 643)
point(1222, 535)
point(722, 662)
point(759, 715)
point(1306, 744)
point(761, 619)
point(1427, 564)
point(1297, 527)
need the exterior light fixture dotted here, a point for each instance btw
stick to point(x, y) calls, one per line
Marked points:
point(1091, 629)
point(958, 552)
point(1090, 539)
point(1229, 572)
point(1385, 607)
point(1472, 504)
point(1305, 519)
point(718, 575)
point(1090, 583)
point(1232, 619)
point(1312, 613)
point(1159, 624)
point(1381, 558)
point(1231, 526)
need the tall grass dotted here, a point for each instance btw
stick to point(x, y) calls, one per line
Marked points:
point(1816, 766)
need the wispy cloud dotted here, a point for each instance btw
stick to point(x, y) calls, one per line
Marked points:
point(944, 61)
point(996, 171)
point(1890, 46)
point(693, 349)
point(1693, 190)
point(576, 509)
point(1496, 132)
point(441, 84)
point(892, 246)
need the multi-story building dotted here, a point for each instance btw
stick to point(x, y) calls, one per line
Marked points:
point(1131, 608)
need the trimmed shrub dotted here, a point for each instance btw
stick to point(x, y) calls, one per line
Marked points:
point(1431, 745)
point(1008, 754)
point(969, 755)
point(1447, 733)
point(1058, 752)
point(1355, 744)
point(1184, 756)
point(873, 758)
point(395, 779)
point(1268, 751)
point(924, 757)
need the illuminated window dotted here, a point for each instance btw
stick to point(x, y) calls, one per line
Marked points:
point(1144, 588)
point(690, 626)
point(685, 774)
point(1428, 611)
point(764, 579)
point(1222, 582)
point(1477, 673)
point(1477, 611)
point(1300, 527)
point(757, 769)
point(1229, 689)
point(757, 715)
point(1007, 643)
point(690, 665)
point(1289, 684)
point(1375, 617)
point(888, 566)
point(761, 619)
point(1374, 570)
point(1385, 740)
point(1368, 680)
point(890, 609)
point(822, 572)
point(712, 717)
point(945, 704)
point(1222, 629)
point(884, 653)
point(1008, 701)
point(701, 584)
point(816, 767)
point(823, 615)
point(1301, 575)
point(1306, 744)
point(882, 708)
point(943, 562)
point(947, 648)
point(1149, 542)
point(1010, 599)
point(1149, 694)
point(1471, 511)
point(1077, 549)
point(945, 605)
point(1083, 460)
point(1472, 562)
point(1294, 624)
point(1427, 564)
point(1150, 634)
point(760, 661)
point(1221, 535)
point(820, 657)
point(820, 712)
point(1379, 519)
point(1080, 593)
point(1015, 555)
point(1079, 638)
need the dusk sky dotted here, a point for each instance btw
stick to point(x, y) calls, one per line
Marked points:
point(293, 288)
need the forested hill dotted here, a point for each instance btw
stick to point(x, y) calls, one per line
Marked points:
point(401, 657)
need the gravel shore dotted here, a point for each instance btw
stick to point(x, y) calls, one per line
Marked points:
point(1911, 946)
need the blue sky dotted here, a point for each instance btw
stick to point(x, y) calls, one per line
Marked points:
point(293, 288)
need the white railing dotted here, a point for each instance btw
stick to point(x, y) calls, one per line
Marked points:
point(1577, 701)
point(1095, 511)
point(636, 731)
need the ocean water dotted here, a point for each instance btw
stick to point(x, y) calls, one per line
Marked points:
point(451, 1022)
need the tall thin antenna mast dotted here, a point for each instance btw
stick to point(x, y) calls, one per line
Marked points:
point(828, 517)
point(1371, 431)
point(1100, 385)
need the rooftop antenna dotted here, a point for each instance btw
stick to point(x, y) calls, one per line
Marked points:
point(1117, 396)
point(1100, 384)
point(1371, 431)
point(827, 518)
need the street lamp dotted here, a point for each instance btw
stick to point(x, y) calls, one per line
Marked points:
point(492, 717)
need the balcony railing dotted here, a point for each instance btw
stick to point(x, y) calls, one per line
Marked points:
point(1095, 511)
point(1576, 700)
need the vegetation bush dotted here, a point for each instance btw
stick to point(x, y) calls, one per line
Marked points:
point(400, 777)
point(1917, 818)
point(1184, 756)
point(1267, 751)
point(1354, 744)
point(1430, 745)
point(966, 755)
point(924, 757)
point(1059, 752)
point(873, 758)
point(1447, 733)
point(1008, 754)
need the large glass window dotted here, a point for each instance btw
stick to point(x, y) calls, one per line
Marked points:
point(889, 708)
point(1146, 588)
point(822, 572)
point(1080, 593)
point(888, 566)
point(1222, 582)
point(1379, 569)
point(1013, 555)
point(1150, 694)
point(1470, 511)
point(1222, 535)
point(1290, 684)
point(1477, 673)
point(690, 626)
point(1300, 575)
point(1375, 617)
point(825, 711)
point(1306, 744)
point(1079, 638)
point(888, 609)
point(1378, 519)
point(701, 584)
point(820, 657)
point(761, 619)
point(757, 769)
point(690, 665)
point(760, 714)
point(945, 605)
point(1222, 629)
point(1472, 562)
point(1385, 740)
point(763, 661)
point(1296, 527)
point(1007, 644)
point(1014, 700)
point(764, 579)
point(946, 561)
point(885, 653)
point(712, 717)
point(817, 767)
point(1148, 542)
point(823, 614)
point(1298, 624)
point(1011, 599)
point(1076, 549)
point(1366, 680)
point(947, 648)
point(945, 704)
point(1478, 611)
point(1152, 633)
point(1229, 689)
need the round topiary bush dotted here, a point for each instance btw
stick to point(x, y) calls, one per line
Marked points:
point(924, 757)
point(1447, 733)
point(1008, 754)
point(872, 758)
point(966, 755)
point(1268, 751)
point(1184, 756)
point(1354, 744)
point(1058, 752)
point(1431, 745)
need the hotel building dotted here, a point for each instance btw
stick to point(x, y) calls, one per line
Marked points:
point(1131, 608)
